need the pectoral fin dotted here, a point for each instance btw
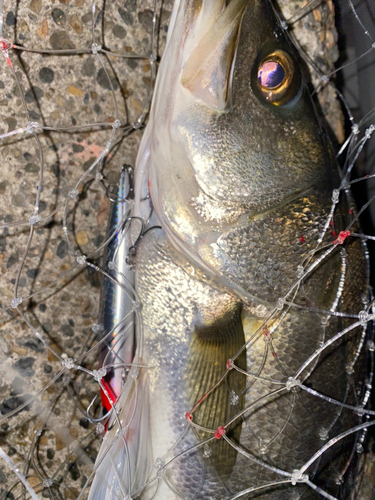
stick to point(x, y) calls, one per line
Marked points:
point(211, 348)
point(207, 70)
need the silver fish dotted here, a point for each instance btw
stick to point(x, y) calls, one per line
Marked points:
point(251, 277)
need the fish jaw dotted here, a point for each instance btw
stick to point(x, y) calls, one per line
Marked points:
point(213, 165)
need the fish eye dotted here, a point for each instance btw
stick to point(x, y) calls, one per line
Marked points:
point(277, 78)
point(271, 74)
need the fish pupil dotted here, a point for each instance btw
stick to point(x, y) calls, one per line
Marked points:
point(271, 74)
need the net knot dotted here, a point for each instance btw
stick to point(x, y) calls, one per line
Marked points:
point(95, 48)
point(359, 448)
point(230, 364)
point(136, 305)
point(100, 428)
point(292, 384)
point(335, 195)
point(207, 451)
point(68, 363)
point(234, 398)
point(16, 302)
point(284, 25)
point(369, 131)
point(81, 259)
point(323, 434)
point(97, 328)
point(298, 477)
point(364, 317)
point(32, 126)
point(116, 124)
point(220, 432)
point(160, 467)
point(134, 372)
point(280, 304)
point(47, 482)
point(342, 237)
point(325, 78)
point(349, 369)
point(5, 44)
point(189, 416)
point(360, 411)
point(73, 193)
point(355, 129)
point(266, 336)
point(34, 219)
point(99, 374)
point(137, 124)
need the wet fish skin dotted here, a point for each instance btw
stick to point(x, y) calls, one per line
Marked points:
point(236, 183)
point(229, 166)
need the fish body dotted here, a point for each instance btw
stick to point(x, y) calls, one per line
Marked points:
point(242, 280)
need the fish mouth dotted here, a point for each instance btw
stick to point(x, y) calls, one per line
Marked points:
point(217, 29)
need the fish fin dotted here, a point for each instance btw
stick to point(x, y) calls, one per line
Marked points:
point(124, 461)
point(212, 346)
point(207, 71)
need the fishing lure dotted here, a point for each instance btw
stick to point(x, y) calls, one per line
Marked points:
point(116, 318)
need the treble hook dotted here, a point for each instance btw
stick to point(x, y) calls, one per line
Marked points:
point(92, 420)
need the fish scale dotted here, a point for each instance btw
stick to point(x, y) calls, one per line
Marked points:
point(241, 185)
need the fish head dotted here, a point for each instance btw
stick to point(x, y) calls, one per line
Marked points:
point(233, 132)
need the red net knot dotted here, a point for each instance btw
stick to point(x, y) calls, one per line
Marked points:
point(220, 432)
point(5, 44)
point(342, 237)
